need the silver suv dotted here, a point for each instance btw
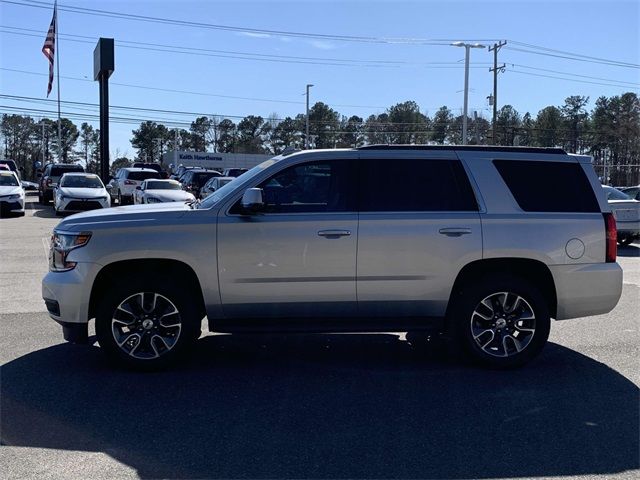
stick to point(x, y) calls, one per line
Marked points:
point(486, 244)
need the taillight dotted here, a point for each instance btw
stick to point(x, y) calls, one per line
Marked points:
point(129, 182)
point(611, 237)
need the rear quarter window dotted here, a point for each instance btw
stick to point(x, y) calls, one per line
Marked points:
point(542, 186)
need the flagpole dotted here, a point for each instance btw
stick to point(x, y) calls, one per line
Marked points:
point(55, 6)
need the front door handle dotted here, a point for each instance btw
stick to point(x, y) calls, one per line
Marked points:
point(334, 233)
point(454, 232)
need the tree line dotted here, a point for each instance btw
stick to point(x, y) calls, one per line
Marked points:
point(610, 131)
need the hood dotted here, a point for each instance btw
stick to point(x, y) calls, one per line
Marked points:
point(121, 216)
point(10, 190)
point(77, 192)
point(169, 195)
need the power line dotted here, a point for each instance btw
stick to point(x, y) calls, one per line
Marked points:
point(574, 80)
point(612, 63)
point(232, 53)
point(562, 52)
point(231, 28)
point(571, 74)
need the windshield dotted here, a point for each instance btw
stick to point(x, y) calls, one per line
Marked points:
point(171, 185)
point(8, 180)
point(231, 186)
point(613, 194)
point(81, 181)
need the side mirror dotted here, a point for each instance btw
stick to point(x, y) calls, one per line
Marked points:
point(138, 187)
point(252, 200)
point(108, 187)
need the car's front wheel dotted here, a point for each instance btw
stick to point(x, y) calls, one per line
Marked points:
point(146, 325)
point(501, 321)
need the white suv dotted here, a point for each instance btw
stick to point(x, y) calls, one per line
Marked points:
point(472, 241)
point(126, 181)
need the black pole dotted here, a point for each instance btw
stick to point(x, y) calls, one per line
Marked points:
point(104, 127)
point(103, 67)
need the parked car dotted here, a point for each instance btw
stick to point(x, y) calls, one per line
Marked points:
point(11, 194)
point(194, 179)
point(160, 191)
point(11, 165)
point(633, 192)
point(78, 192)
point(126, 181)
point(29, 186)
point(626, 210)
point(180, 172)
point(153, 166)
point(234, 172)
point(50, 177)
point(213, 184)
point(473, 241)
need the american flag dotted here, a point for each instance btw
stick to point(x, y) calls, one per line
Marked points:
point(49, 47)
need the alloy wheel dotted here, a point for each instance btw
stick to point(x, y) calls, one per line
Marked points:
point(146, 325)
point(503, 324)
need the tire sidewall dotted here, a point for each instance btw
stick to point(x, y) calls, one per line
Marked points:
point(469, 297)
point(180, 297)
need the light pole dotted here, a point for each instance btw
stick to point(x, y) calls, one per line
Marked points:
point(467, 47)
point(306, 137)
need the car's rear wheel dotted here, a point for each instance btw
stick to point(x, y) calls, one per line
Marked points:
point(146, 325)
point(624, 241)
point(501, 321)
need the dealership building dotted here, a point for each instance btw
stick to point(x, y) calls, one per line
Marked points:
point(212, 160)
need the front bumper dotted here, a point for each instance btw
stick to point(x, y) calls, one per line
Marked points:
point(67, 294)
point(11, 206)
point(628, 229)
point(586, 289)
point(71, 204)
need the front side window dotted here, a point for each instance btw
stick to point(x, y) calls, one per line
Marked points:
point(415, 185)
point(315, 187)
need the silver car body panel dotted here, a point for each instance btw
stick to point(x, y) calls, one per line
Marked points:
point(391, 263)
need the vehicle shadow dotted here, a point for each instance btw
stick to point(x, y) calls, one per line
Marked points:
point(632, 250)
point(43, 211)
point(327, 406)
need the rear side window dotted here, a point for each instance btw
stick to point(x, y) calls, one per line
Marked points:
point(415, 185)
point(548, 186)
point(139, 176)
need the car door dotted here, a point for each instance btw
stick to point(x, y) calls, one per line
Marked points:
point(417, 229)
point(298, 257)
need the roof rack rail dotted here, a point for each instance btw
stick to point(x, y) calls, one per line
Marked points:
point(473, 148)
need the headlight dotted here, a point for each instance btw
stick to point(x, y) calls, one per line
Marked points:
point(17, 196)
point(153, 200)
point(61, 245)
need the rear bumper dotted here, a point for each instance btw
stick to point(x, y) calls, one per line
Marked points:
point(587, 289)
point(628, 229)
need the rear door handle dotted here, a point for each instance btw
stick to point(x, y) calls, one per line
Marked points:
point(454, 232)
point(334, 233)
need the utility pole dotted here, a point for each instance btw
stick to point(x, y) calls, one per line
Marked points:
point(495, 70)
point(467, 47)
point(306, 137)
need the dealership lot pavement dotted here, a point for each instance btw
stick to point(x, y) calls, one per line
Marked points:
point(326, 406)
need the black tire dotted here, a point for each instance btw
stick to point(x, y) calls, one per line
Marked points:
point(40, 198)
point(108, 327)
point(120, 199)
point(467, 319)
point(625, 241)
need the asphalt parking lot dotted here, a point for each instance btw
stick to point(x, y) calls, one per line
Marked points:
point(324, 406)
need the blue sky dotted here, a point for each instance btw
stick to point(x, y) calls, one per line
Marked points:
point(432, 75)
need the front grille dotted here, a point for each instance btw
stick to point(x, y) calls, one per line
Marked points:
point(83, 205)
point(8, 206)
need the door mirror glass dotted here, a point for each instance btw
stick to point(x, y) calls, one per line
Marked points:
point(252, 200)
